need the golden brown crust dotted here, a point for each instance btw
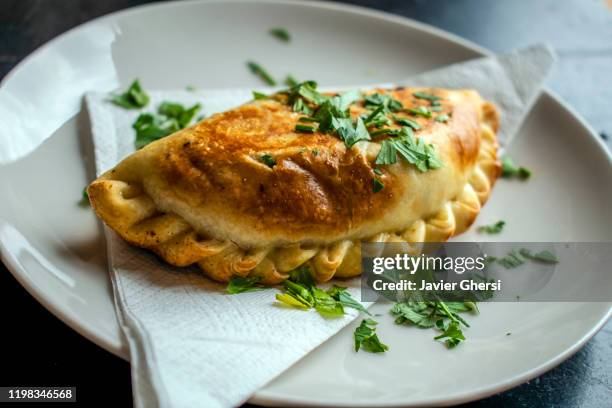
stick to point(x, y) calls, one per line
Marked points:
point(203, 195)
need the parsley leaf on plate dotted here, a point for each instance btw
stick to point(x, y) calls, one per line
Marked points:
point(516, 258)
point(133, 98)
point(85, 198)
point(281, 33)
point(512, 260)
point(366, 338)
point(417, 313)
point(511, 170)
point(451, 332)
point(493, 228)
point(261, 72)
point(544, 256)
point(435, 314)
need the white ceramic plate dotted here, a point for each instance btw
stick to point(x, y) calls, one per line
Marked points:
point(55, 248)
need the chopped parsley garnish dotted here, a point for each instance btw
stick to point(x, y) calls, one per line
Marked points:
point(326, 305)
point(407, 122)
point(268, 160)
point(344, 297)
point(307, 119)
point(308, 91)
point(512, 260)
point(300, 106)
point(378, 171)
point(325, 115)
point(304, 128)
point(151, 127)
point(332, 113)
point(291, 81)
point(451, 333)
point(420, 111)
point(377, 185)
point(239, 284)
point(281, 33)
point(435, 314)
point(84, 198)
point(387, 153)
point(301, 292)
point(385, 131)
point(413, 150)
point(261, 72)
point(377, 117)
point(493, 228)
point(183, 115)
point(171, 117)
point(544, 256)
point(258, 95)
point(134, 98)
point(511, 170)
point(367, 339)
point(349, 134)
point(516, 258)
point(388, 103)
point(442, 118)
point(296, 295)
point(302, 276)
point(430, 97)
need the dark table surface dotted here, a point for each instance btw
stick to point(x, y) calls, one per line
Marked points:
point(38, 349)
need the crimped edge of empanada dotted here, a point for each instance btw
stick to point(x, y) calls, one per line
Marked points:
point(126, 208)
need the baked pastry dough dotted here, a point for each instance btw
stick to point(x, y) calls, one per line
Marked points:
point(203, 195)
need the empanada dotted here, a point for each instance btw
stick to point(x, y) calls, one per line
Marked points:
point(286, 180)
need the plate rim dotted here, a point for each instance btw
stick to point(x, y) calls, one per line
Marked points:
point(266, 397)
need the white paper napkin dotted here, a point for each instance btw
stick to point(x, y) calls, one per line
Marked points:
point(190, 343)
